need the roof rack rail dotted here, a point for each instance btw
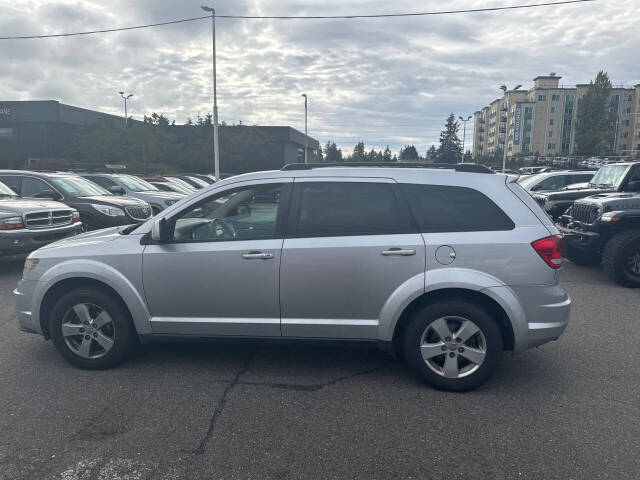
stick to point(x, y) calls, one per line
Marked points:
point(458, 167)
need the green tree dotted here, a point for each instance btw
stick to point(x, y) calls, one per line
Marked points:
point(595, 118)
point(332, 154)
point(450, 149)
point(432, 154)
point(358, 154)
point(409, 153)
point(386, 155)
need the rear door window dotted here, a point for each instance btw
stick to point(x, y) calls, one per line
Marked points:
point(440, 208)
point(328, 209)
point(32, 187)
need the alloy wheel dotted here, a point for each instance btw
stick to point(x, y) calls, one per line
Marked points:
point(633, 262)
point(88, 330)
point(453, 347)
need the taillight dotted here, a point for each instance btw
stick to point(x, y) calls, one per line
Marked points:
point(550, 250)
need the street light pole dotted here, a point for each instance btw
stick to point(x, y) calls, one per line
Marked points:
point(306, 138)
point(216, 152)
point(464, 133)
point(125, 98)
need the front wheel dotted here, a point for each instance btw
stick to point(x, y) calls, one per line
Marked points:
point(621, 258)
point(91, 329)
point(453, 345)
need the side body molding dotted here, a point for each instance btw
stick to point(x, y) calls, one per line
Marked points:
point(101, 272)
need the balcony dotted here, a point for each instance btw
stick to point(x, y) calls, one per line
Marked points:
point(503, 119)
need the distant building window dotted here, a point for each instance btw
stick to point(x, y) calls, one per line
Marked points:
point(555, 98)
point(626, 135)
point(542, 98)
point(551, 122)
point(550, 133)
point(626, 123)
point(624, 146)
point(553, 109)
point(551, 146)
point(629, 98)
point(628, 110)
point(6, 133)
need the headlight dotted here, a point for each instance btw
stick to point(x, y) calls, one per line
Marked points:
point(11, 223)
point(75, 217)
point(29, 266)
point(110, 211)
point(610, 217)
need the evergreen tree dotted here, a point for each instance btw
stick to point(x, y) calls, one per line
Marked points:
point(450, 149)
point(386, 155)
point(595, 118)
point(332, 153)
point(409, 153)
point(358, 154)
point(432, 154)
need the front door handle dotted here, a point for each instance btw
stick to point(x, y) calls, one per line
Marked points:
point(257, 256)
point(398, 251)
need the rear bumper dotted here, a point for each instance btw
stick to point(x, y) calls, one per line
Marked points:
point(539, 313)
point(25, 240)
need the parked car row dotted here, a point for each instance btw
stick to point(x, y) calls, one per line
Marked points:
point(600, 219)
point(37, 208)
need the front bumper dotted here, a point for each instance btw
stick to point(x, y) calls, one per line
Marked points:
point(582, 239)
point(25, 240)
point(23, 296)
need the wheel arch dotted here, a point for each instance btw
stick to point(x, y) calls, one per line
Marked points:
point(476, 297)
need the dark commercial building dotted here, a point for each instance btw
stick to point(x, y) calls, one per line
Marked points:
point(32, 131)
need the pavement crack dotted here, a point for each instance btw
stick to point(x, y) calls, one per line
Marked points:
point(317, 386)
point(220, 405)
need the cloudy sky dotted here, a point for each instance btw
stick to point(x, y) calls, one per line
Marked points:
point(389, 81)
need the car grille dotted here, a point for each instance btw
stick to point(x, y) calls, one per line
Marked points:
point(139, 213)
point(48, 219)
point(584, 213)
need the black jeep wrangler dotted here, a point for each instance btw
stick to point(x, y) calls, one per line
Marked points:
point(606, 226)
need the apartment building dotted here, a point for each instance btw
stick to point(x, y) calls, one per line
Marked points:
point(542, 120)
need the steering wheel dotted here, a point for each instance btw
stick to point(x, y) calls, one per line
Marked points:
point(226, 226)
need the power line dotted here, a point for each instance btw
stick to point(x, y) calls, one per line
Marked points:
point(300, 17)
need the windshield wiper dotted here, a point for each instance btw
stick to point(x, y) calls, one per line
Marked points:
point(604, 185)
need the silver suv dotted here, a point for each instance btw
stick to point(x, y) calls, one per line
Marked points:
point(446, 268)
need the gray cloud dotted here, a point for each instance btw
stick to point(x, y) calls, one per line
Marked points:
point(383, 81)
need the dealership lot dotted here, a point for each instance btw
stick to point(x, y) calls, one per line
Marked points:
point(569, 409)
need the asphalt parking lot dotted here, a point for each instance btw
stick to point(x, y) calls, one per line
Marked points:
point(568, 410)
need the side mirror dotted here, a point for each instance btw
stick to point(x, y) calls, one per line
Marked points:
point(117, 190)
point(634, 186)
point(50, 194)
point(160, 230)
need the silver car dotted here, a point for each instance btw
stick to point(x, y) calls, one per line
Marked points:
point(122, 184)
point(444, 267)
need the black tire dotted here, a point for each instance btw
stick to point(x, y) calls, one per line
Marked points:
point(123, 333)
point(616, 256)
point(87, 225)
point(579, 256)
point(430, 313)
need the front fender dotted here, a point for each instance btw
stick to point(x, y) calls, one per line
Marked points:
point(101, 272)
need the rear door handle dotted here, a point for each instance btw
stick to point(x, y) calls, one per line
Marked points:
point(398, 251)
point(257, 256)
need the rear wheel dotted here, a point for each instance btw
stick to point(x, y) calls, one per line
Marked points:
point(91, 329)
point(579, 256)
point(452, 345)
point(621, 258)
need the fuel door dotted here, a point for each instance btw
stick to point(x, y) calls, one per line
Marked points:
point(445, 255)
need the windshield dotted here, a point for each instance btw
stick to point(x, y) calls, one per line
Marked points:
point(78, 187)
point(610, 176)
point(528, 180)
point(134, 183)
point(4, 190)
point(198, 181)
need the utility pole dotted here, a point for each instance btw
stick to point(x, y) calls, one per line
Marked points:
point(464, 133)
point(125, 98)
point(216, 152)
point(306, 138)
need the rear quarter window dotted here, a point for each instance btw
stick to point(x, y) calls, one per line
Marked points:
point(440, 208)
